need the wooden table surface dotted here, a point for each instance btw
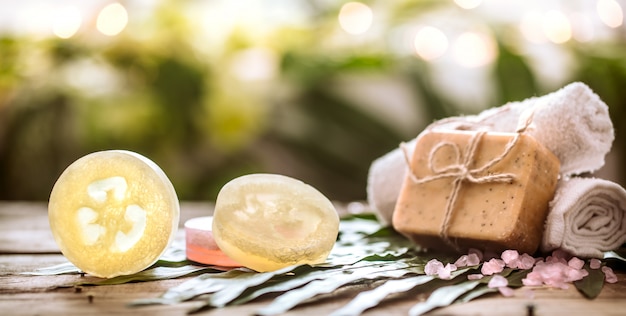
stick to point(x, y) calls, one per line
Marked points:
point(26, 244)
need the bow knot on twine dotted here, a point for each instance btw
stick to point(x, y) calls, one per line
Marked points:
point(460, 170)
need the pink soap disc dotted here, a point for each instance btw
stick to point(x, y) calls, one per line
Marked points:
point(201, 246)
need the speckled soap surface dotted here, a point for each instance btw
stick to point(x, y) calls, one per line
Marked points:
point(491, 215)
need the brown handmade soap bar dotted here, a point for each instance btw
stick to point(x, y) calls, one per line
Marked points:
point(499, 197)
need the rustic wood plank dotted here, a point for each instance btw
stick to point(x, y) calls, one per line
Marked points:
point(24, 227)
point(19, 263)
point(24, 247)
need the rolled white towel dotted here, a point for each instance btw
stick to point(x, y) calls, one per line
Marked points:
point(384, 182)
point(575, 125)
point(587, 217)
point(572, 122)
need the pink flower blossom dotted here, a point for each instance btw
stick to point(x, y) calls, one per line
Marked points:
point(492, 266)
point(609, 275)
point(461, 262)
point(432, 267)
point(497, 281)
point(559, 255)
point(572, 274)
point(476, 276)
point(473, 259)
point(446, 272)
point(553, 259)
point(436, 267)
point(501, 283)
point(510, 258)
point(576, 263)
point(514, 260)
point(552, 274)
point(595, 263)
point(476, 252)
point(468, 260)
point(526, 262)
point(533, 279)
point(556, 272)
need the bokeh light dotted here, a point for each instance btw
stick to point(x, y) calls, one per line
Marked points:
point(34, 20)
point(610, 13)
point(430, 43)
point(112, 19)
point(66, 22)
point(263, 79)
point(255, 64)
point(355, 17)
point(582, 27)
point(530, 26)
point(473, 49)
point(556, 27)
point(468, 4)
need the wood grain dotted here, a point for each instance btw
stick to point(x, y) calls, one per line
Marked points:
point(26, 244)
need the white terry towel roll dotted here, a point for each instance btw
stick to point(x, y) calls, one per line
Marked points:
point(572, 122)
point(384, 182)
point(575, 125)
point(587, 217)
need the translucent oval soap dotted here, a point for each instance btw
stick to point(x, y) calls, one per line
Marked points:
point(267, 222)
point(113, 213)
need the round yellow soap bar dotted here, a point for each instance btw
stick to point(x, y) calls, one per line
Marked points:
point(267, 222)
point(113, 213)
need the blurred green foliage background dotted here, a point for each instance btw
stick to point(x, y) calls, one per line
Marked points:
point(211, 90)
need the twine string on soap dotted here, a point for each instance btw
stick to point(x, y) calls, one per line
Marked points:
point(460, 170)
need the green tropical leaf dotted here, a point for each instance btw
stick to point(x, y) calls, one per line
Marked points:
point(63, 268)
point(476, 293)
point(591, 285)
point(227, 295)
point(404, 266)
point(369, 299)
point(173, 256)
point(330, 283)
point(505, 273)
point(202, 284)
point(363, 238)
point(515, 278)
point(152, 274)
point(236, 280)
point(290, 282)
point(614, 255)
point(443, 296)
